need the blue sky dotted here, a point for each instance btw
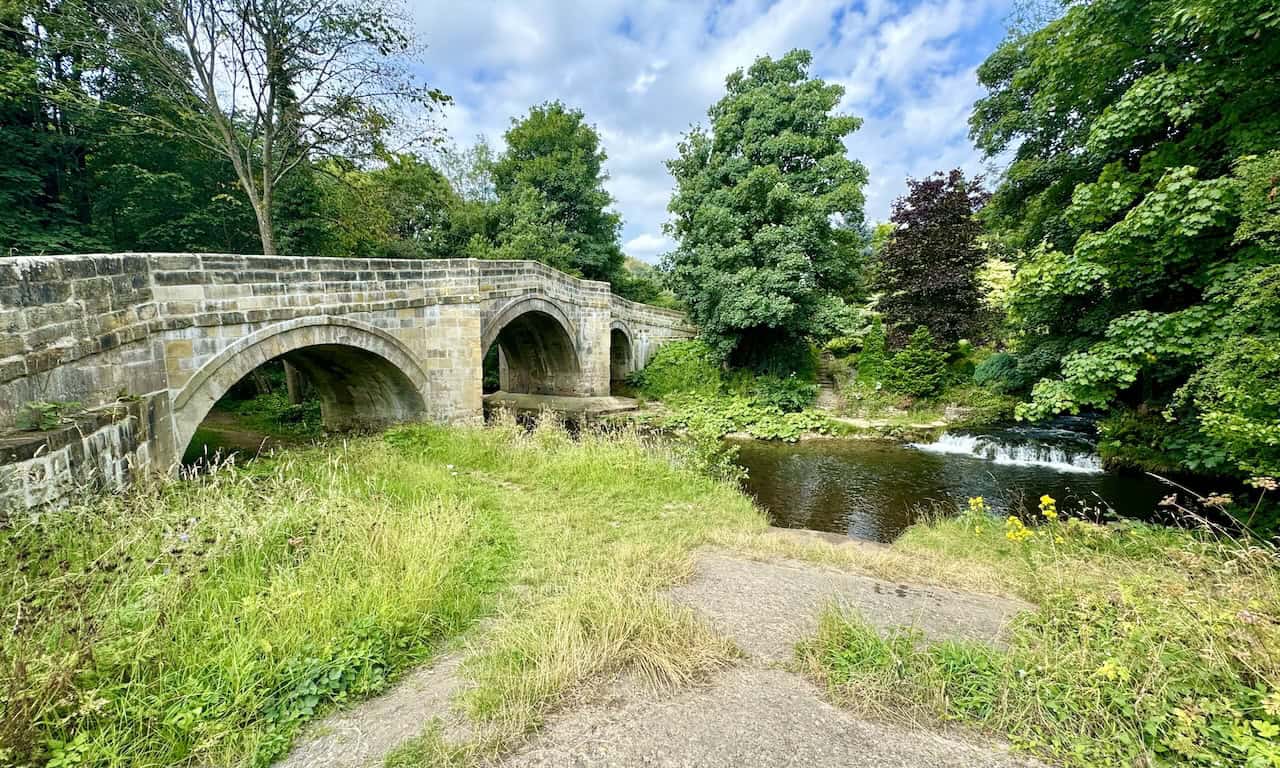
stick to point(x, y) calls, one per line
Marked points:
point(644, 72)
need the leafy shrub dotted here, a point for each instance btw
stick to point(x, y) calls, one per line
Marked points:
point(840, 345)
point(998, 372)
point(44, 415)
point(917, 369)
point(871, 361)
point(786, 393)
point(719, 416)
point(681, 366)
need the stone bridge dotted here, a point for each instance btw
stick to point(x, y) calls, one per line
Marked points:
point(147, 343)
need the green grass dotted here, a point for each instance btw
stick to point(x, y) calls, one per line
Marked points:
point(1148, 647)
point(273, 414)
point(204, 622)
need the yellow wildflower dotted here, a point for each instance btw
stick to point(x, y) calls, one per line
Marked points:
point(1049, 507)
point(1015, 531)
point(977, 505)
point(1110, 670)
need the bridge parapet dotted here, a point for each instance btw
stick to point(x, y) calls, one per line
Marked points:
point(398, 338)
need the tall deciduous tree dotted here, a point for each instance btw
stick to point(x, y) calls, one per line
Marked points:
point(767, 210)
point(275, 84)
point(928, 267)
point(1135, 130)
point(550, 185)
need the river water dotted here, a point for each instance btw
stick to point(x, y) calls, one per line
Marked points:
point(873, 489)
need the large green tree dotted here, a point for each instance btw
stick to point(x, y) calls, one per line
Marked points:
point(767, 210)
point(1135, 129)
point(85, 159)
point(550, 188)
point(277, 85)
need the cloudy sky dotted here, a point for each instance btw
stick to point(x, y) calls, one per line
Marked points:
point(643, 72)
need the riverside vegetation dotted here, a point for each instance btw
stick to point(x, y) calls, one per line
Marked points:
point(1148, 646)
point(206, 621)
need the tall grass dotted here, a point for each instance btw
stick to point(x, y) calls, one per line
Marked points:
point(1148, 646)
point(204, 622)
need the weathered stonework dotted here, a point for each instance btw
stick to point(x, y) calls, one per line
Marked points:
point(154, 340)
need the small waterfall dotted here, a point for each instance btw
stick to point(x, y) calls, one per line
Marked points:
point(1063, 455)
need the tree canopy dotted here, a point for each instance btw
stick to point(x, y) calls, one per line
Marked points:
point(550, 188)
point(927, 269)
point(767, 209)
point(1145, 138)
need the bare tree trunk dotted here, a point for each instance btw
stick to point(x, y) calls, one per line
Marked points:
point(261, 384)
point(293, 383)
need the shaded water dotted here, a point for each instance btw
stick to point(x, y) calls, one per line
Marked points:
point(872, 489)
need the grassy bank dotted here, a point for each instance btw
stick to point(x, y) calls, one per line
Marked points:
point(205, 622)
point(1148, 646)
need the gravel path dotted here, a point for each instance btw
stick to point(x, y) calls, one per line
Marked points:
point(747, 717)
point(767, 607)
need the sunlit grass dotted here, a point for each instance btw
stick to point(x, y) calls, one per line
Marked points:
point(1148, 646)
point(206, 621)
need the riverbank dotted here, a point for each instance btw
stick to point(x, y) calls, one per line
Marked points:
point(519, 572)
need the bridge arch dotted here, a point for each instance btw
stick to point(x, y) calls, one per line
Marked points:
point(537, 347)
point(363, 375)
point(622, 352)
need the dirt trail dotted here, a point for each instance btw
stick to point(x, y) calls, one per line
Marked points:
point(756, 713)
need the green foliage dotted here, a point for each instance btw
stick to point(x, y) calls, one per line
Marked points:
point(1137, 651)
point(755, 199)
point(1148, 442)
point(999, 372)
point(786, 393)
point(1139, 216)
point(44, 415)
point(872, 358)
point(677, 367)
point(918, 369)
point(550, 187)
point(1235, 396)
point(206, 622)
point(209, 621)
point(272, 414)
point(404, 209)
point(717, 416)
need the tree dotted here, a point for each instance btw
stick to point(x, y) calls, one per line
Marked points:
point(927, 270)
point(1136, 131)
point(275, 84)
point(88, 162)
point(918, 369)
point(767, 210)
point(550, 183)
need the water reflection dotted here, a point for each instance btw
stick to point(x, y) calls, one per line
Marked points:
point(875, 489)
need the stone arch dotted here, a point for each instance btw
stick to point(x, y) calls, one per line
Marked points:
point(363, 375)
point(537, 347)
point(622, 352)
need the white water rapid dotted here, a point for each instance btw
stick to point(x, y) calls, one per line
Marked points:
point(1027, 452)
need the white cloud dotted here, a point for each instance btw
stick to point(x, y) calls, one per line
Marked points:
point(644, 72)
point(648, 247)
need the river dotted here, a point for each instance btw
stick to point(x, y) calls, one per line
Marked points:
point(874, 489)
